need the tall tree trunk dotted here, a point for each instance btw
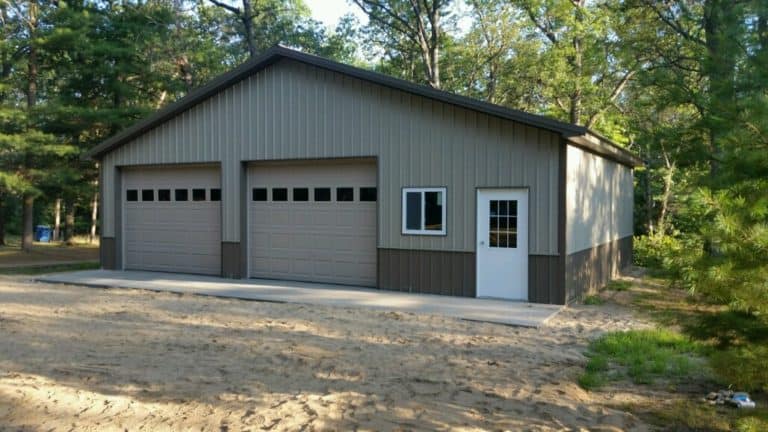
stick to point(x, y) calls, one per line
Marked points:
point(27, 211)
point(69, 222)
point(57, 220)
point(669, 181)
point(247, 20)
point(2, 218)
point(720, 20)
point(28, 198)
point(94, 217)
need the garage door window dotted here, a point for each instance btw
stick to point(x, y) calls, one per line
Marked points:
point(132, 195)
point(259, 194)
point(181, 195)
point(424, 211)
point(345, 194)
point(367, 194)
point(279, 194)
point(215, 194)
point(322, 194)
point(163, 194)
point(147, 194)
point(198, 194)
point(300, 194)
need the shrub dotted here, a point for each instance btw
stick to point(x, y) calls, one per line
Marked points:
point(744, 367)
point(593, 300)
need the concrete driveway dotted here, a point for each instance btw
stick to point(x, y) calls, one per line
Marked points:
point(486, 310)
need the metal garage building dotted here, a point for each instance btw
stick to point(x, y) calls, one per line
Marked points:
point(296, 167)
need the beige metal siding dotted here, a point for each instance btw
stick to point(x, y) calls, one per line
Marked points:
point(294, 111)
point(599, 200)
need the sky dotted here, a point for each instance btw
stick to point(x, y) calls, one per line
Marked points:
point(329, 11)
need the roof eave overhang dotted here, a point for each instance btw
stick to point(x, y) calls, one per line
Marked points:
point(604, 147)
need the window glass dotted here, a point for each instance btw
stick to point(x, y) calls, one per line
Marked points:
point(215, 194)
point(367, 194)
point(413, 211)
point(433, 211)
point(301, 194)
point(163, 194)
point(424, 211)
point(322, 194)
point(279, 194)
point(147, 194)
point(259, 194)
point(181, 194)
point(502, 224)
point(198, 194)
point(345, 194)
point(132, 195)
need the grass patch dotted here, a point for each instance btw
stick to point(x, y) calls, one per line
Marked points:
point(643, 356)
point(57, 268)
point(593, 300)
point(618, 285)
point(691, 415)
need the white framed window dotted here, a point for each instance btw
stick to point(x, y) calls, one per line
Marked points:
point(424, 211)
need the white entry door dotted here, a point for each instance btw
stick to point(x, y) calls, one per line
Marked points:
point(502, 243)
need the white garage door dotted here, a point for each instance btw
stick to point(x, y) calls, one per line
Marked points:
point(172, 219)
point(313, 222)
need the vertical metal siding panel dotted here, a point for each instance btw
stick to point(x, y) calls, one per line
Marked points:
point(296, 111)
point(107, 204)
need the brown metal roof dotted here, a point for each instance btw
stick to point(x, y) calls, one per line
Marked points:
point(576, 135)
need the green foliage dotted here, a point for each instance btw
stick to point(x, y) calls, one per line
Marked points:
point(618, 285)
point(643, 356)
point(743, 367)
point(593, 300)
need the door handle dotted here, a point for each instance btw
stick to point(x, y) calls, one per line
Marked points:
point(482, 243)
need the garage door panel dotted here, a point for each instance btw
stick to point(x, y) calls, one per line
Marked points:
point(174, 236)
point(324, 241)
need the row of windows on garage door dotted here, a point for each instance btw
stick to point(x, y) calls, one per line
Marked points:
point(324, 194)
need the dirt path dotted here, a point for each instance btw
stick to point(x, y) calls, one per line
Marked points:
point(90, 359)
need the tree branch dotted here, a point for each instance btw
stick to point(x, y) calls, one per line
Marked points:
point(233, 9)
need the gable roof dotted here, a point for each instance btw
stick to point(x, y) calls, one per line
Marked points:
point(579, 136)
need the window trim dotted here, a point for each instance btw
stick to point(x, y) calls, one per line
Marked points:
point(404, 207)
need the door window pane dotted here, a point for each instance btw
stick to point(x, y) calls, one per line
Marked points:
point(413, 211)
point(147, 194)
point(259, 194)
point(433, 211)
point(345, 194)
point(181, 195)
point(132, 195)
point(163, 194)
point(322, 194)
point(503, 208)
point(198, 194)
point(279, 194)
point(367, 194)
point(300, 194)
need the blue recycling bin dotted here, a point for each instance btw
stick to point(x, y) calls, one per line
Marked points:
point(43, 233)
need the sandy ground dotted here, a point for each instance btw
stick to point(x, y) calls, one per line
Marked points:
point(85, 359)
